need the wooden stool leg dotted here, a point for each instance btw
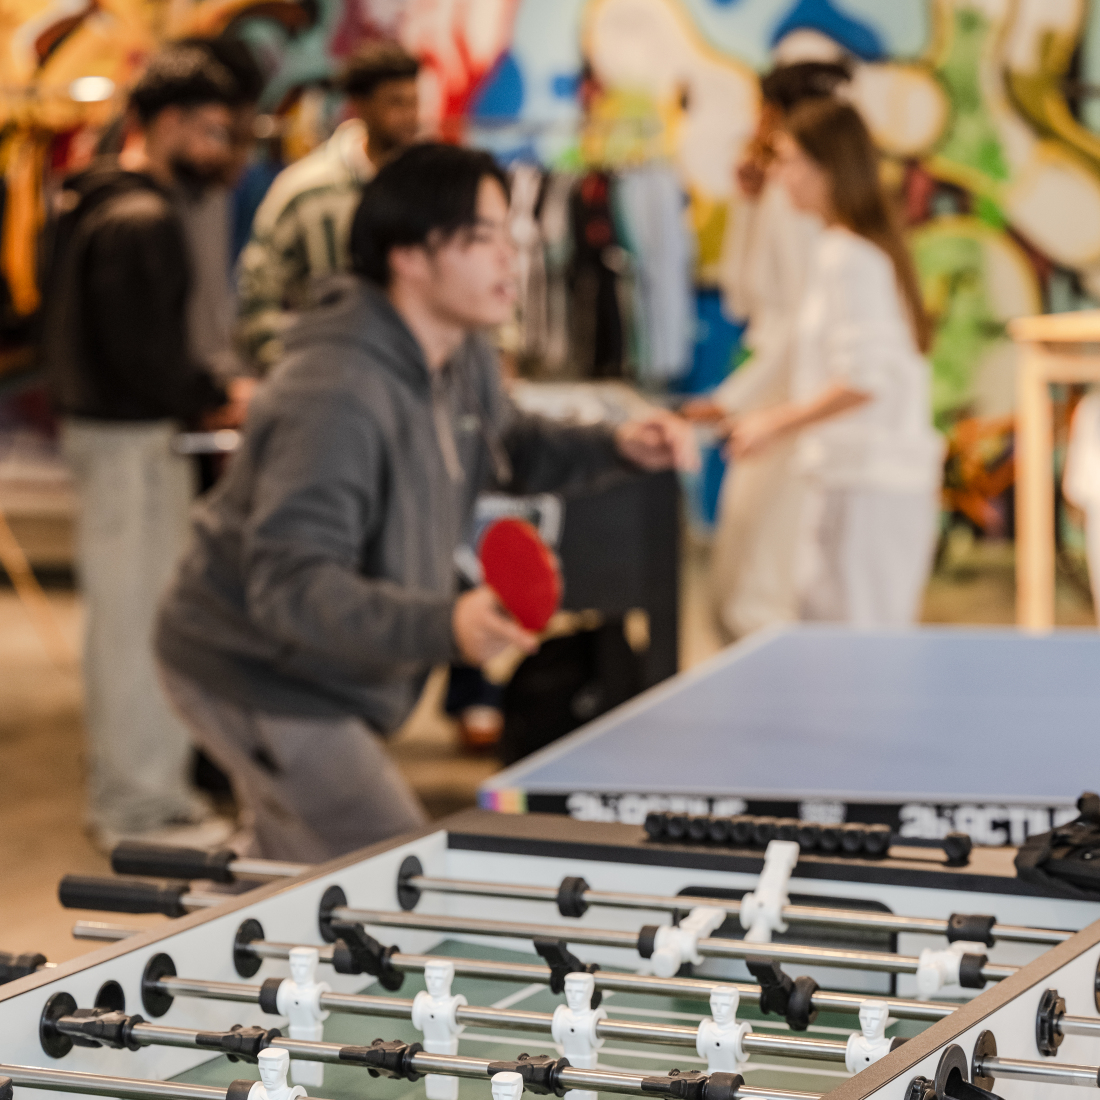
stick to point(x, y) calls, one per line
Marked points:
point(1034, 495)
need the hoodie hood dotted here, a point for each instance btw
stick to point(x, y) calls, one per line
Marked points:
point(350, 310)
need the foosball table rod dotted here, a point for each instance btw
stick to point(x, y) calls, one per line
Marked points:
point(670, 944)
point(528, 973)
point(476, 1016)
point(405, 1061)
point(972, 970)
point(573, 896)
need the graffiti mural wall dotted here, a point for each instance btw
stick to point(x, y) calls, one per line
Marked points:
point(968, 98)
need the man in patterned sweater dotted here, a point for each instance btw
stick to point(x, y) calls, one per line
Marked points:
point(302, 227)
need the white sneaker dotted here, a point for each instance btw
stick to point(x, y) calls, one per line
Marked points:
point(211, 832)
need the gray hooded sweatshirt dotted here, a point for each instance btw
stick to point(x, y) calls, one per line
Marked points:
point(320, 576)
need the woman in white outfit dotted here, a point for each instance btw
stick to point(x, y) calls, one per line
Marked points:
point(765, 261)
point(860, 410)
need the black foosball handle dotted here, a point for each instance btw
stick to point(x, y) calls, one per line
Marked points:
point(14, 966)
point(120, 895)
point(163, 861)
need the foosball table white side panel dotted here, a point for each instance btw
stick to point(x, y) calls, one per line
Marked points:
point(201, 945)
point(1009, 1011)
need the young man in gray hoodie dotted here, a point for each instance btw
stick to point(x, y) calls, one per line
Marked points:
point(319, 588)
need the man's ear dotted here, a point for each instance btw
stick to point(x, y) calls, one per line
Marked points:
point(408, 263)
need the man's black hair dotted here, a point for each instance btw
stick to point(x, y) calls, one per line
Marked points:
point(181, 76)
point(788, 85)
point(237, 59)
point(377, 64)
point(429, 189)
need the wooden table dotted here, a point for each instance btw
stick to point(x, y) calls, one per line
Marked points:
point(1055, 348)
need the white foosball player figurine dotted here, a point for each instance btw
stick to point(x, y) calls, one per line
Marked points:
point(869, 1044)
point(720, 1039)
point(272, 1085)
point(433, 1015)
point(299, 1000)
point(762, 909)
point(676, 944)
point(574, 1028)
point(939, 969)
point(507, 1086)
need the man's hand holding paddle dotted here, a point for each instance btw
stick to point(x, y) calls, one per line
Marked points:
point(523, 584)
point(484, 630)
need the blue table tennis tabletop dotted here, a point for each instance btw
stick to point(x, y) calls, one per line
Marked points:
point(933, 714)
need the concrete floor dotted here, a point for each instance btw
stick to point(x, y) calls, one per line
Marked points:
point(41, 747)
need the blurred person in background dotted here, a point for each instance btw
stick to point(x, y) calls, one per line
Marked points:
point(301, 229)
point(123, 377)
point(208, 219)
point(767, 257)
point(859, 410)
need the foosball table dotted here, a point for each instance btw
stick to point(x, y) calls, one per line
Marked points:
point(497, 955)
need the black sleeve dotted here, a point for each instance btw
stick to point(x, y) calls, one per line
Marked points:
point(136, 285)
point(546, 455)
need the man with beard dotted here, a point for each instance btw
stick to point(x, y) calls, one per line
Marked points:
point(301, 230)
point(124, 379)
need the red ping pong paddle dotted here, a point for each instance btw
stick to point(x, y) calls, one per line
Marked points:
point(521, 570)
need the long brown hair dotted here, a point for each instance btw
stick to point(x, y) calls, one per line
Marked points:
point(831, 133)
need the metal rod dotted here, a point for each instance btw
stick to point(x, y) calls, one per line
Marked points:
point(608, 937)
point(310, 1050)
point(96, 1084)
point(268, 868)
point(213, 991)
point(193, 901)
point(834, 956)
point(152, 1035)
point(477, 1016)
point(602, 1080)
point(101, 930)
point(609, 980)
point(1078, 1025)
point(795, 914)
point(1049, 1072)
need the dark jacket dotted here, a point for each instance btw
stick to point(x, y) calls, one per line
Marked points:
point(320, 579)
point(114, 339)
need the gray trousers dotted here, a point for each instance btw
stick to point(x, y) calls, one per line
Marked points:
point(133, 494)
point(308, 789)
point(867, 555)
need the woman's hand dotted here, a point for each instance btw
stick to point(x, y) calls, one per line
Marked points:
point(753, 433)
point(702, 410)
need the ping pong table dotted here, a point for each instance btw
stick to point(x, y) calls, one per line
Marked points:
point(985, 731)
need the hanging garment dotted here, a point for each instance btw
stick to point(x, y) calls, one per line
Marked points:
point(554, 227)
point(527, 180)
point(596, 327)
point(650, 203)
